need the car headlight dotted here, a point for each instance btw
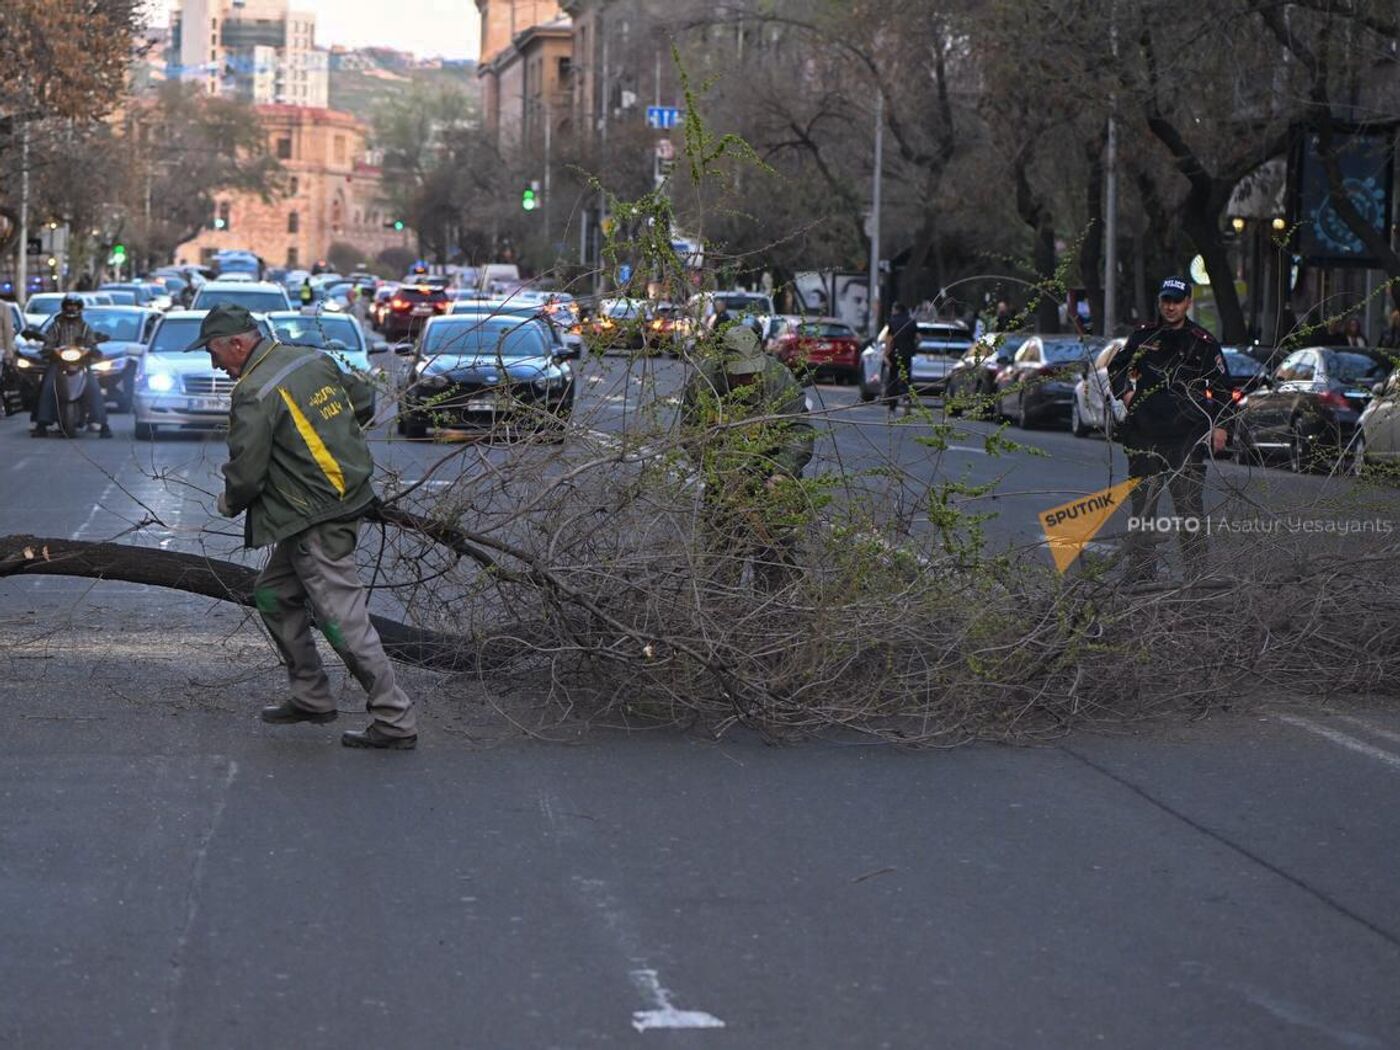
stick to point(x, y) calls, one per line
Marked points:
point(24, 362)
point(110, 365)
point(160, 382)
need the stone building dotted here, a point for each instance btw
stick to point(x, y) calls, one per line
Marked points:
point(333, 195)
point(526, 49)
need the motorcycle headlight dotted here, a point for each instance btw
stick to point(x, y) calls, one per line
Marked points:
point(160, 382)
point(71, 356)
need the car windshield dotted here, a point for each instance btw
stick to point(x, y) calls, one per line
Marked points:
point(623, 308)
point(122, 298)
point(130, 289)
point(318, 331)
point(174, 334)
point(120, 327)
point(1351, 367)
point(1062, 350)
point(253, 300)
point(43, 304)
point(476, 337)
point(817, 330)
point(1238, 364)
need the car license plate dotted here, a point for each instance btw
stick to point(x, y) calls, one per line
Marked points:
point(483, 404)
point(420, 311)
point(207, 404)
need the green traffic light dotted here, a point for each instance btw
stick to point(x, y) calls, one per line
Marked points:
point(398, 224)
point(527, 200)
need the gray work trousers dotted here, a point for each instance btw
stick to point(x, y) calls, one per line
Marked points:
point(1178, 467)
point(313, 574)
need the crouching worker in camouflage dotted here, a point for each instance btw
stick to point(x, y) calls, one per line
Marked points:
point(299, 466)
point(752, 503)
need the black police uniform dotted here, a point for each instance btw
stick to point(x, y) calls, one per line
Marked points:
point(1180, 386)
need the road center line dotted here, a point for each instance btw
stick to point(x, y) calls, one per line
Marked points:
point(1388, 758)
point(1384, 734)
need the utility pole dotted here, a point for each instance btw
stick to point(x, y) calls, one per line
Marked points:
point(873, 326)
point(1110, 225)
point(22, 263)
point(548, 164)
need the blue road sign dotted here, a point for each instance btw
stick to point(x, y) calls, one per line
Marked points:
point(624, 273)
point(663, 117)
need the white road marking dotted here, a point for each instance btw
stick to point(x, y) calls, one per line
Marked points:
point(665, 1015)
point(96, 509)
point(1375, 730)
point(1388, 758)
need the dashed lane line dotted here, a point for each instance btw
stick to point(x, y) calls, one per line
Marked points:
point(1351, 743)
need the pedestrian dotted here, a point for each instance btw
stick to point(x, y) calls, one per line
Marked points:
point(1003, 320)
point(1390, 338)
point(751, 500)
point(901, 343)
point(299, 470)
point(1171, 380)
point(306, 294)
point(1352, 334)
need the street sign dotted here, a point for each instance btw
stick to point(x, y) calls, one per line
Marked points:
point(663, 117)
point(624, 273)
point(665, 149)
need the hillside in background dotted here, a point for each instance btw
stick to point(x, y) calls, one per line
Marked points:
point(356, 90)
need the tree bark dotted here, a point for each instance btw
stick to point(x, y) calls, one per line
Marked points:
point(221, 580)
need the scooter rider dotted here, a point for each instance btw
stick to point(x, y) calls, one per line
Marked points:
point(68, 329)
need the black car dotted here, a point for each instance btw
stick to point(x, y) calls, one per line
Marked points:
point(411, 307)
point(128, 329)
point(475, 371)
point(1038, 384)
point(1308, 409)
point(973, 379)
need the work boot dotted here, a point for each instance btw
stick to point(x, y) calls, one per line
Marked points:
point(105, 432)
point(287, 713)
point(373, 736)
point(40, 430)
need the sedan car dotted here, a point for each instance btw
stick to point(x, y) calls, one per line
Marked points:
point(618, 323)
point(478, 371)
point(340, 335)
point(1308, 410)
point(821, 345)
point(128, 329)
point(972, 382)
point(176, 390)
point(941, 345)
point(1377, 441)
point(1038, 384)
point(411, 307)
point(258, 297)
point(1092, 394)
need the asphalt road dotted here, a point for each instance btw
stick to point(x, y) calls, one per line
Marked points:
point(175, 874)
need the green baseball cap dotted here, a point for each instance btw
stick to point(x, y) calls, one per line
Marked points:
point(225, 319)
point(742, 356)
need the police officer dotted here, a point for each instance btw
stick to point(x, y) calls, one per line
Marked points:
point(1171, 385)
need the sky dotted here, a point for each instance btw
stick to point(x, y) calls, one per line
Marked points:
point(450, 28)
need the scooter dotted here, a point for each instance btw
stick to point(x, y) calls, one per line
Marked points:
point(71, 384)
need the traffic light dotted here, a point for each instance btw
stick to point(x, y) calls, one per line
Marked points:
point(397, 225)
point(529, 201)
point(118, 254)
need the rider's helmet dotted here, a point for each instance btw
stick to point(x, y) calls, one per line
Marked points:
point(71, 306)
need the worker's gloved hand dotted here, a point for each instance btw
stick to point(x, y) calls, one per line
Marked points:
point(223, 506)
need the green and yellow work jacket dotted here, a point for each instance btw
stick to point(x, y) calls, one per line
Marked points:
point(297, 455)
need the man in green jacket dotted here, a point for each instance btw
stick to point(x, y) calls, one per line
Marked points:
point(751, 439)
point(300, 468)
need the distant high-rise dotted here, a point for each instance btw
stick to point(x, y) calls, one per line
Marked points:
point(256, 50)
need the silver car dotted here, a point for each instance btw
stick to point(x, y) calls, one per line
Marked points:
point(176, 390)
point(941, 345)
point(1089, 410)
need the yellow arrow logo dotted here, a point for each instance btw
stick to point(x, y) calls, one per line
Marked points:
point(1070, 526)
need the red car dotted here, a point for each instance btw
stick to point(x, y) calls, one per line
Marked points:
point(411, 306)
point(821, 345)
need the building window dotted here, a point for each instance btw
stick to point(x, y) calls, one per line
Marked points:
point(340, 149)
point(294, 187)
point(284, 149)
point(292, 257)
point(294, 222)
